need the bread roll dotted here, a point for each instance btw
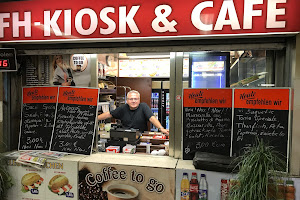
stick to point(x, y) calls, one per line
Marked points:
point(58, 181)
point(31, 178)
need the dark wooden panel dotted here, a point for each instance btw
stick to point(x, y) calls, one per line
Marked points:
point(143, 85)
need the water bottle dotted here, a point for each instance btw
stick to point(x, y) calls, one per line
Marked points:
point(203, 193)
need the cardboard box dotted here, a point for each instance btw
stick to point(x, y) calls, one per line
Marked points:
point(113, 149)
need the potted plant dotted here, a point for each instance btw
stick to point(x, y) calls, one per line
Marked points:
point(259, 170)
point(6, 180)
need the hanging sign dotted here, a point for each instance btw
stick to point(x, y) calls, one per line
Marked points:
point(134, 20)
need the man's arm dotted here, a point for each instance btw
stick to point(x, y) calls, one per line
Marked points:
point(104, 116)
point(158, 125)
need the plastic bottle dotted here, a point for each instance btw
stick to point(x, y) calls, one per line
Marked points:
point(203, 193)
point(185, 187)
point(280, 190)
point(289, 190)
point(194, 187)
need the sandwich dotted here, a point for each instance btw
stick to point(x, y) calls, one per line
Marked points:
point(31, 181)
point(59, 184)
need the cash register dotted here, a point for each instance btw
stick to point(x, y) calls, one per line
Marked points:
point(120, 136)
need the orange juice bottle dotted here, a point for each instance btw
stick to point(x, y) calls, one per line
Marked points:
point(185, 187)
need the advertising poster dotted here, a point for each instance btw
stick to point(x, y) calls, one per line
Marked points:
point(118, 182)
point(56, 181)
point(199, 184)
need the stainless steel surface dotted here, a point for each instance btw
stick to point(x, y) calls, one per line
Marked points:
point(178, 105)
point(172, 106)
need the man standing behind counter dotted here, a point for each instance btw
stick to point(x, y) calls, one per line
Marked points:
point(134, 114)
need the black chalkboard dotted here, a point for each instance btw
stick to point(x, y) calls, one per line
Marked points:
point(261, 114)
point(75, 122)
point(207, 121)
point(206, 129)
point(38, 113)
point(36, 126)
point(266, 124)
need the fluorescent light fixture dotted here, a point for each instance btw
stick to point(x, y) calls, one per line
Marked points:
point(143, 55)
point(149, 56)
point(267, 85)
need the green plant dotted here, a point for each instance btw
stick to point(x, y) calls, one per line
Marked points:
point(260, 168)
point(6, 180)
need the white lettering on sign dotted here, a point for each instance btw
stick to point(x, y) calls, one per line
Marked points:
point(109, 22)
point(3, 24)
point(123, 20)
point(196, 16)
point(227, 6)
point(17, 24)
point(67, 22)
point(204, 17)
point(162, 12)
point(249, 13)
point(50, 23)
point(93, 21)
point(273, 12)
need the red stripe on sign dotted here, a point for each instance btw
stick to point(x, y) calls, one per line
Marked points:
point(78, 96)
point(40, 95)
point(219, 98)
point(273, 99)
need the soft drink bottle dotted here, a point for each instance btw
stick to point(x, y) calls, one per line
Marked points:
point(194, 187)
point(185, 187)
point(203, 193)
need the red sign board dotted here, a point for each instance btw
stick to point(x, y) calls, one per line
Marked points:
point(40, 95)
point(80, 96)
point(38, 20)
point(218, 98)
point(272, 99)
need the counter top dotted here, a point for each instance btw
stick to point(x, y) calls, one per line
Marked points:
point(185, 164)
point(132, 160)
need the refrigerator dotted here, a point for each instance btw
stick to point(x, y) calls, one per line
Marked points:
point(160, 103)
point(209, 70)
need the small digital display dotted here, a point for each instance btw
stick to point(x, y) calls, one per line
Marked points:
point(4, 63)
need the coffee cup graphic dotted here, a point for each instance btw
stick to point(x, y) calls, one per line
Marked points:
point(122, 192)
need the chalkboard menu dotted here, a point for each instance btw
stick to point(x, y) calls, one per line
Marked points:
point(262, 113)
point(38, 111)
point(75, 120)
point(207, 121)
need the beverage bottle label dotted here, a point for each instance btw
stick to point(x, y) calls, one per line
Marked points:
point(202, 194)
point(184, 195)
point(194, 188)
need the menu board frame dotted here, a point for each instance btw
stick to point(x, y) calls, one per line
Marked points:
point(67, 96)
point(213, 111)
point(37, 96)
point(287, 106)
point(272, 99)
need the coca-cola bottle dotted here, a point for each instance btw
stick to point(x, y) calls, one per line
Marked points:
point(194, 187)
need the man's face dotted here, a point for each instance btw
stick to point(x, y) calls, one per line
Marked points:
point(133, 100)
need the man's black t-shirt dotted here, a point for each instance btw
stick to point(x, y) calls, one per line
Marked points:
point(136, 119)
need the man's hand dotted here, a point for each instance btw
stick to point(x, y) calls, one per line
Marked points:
point(165, 131)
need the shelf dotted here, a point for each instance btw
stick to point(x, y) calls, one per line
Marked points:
point(107, 91)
